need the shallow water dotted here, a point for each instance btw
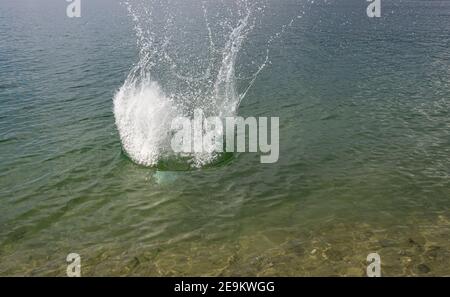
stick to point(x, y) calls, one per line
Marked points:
point(364, 149)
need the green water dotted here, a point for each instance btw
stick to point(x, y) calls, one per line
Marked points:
point(364, 166)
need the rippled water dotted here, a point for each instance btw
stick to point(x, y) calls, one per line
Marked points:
point(364, 148)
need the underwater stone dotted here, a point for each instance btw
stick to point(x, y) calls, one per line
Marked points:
point(422, 268)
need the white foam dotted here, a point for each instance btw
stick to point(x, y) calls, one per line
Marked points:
point(143, 117)
point(144, 112)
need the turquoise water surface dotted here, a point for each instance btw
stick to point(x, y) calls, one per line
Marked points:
point(364, 108)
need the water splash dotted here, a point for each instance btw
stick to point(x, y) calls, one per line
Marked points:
point(187, 60)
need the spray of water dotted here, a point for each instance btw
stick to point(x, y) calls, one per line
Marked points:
point(187, 60)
